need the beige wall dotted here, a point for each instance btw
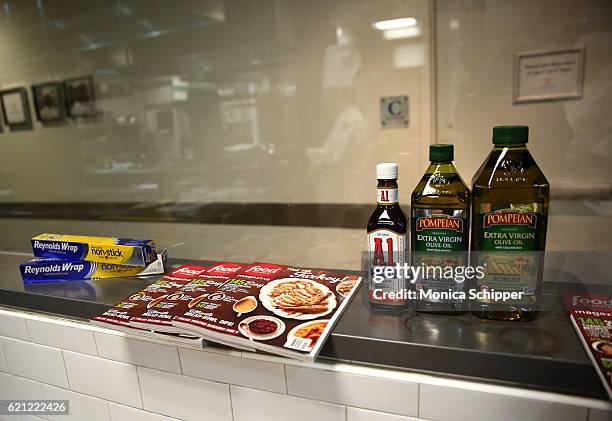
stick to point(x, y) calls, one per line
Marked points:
point(476, 42)
point(212, 101)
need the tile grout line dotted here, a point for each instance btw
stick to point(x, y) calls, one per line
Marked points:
point(96, 344)
point(65, 369)
point(42, 393)
point(25, 321)
point(108, 411)
point(180, 361)
point(286, 381)
point(418, 400)
point(229, 388)
point(139, 386)
point(4, 358)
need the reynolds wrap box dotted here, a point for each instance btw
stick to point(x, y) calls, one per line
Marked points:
point(51, 269)
point(117, 251)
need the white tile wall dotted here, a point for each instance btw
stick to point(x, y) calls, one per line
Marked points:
point(358, 414)
point(134, 351)
point(452, 404)
point(127, 413)
point(111, 380)
point(234, 370)
point(354, 390)
point(257, 405)
point(259, 384)
point(184, 397)
point(13, 327)
point(82, 407)
point(37, 362)
point(62, 336)
point(600, 415)
point(13, 387)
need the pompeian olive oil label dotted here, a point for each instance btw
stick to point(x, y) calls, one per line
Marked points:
point(439, 243)
point(439, 230)
point(509, 247)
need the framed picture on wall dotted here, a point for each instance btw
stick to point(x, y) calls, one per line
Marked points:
point(16, 108)
point(49, 101)
point(548, 75)
point(80, 97)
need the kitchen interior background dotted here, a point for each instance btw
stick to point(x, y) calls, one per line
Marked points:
point(277, 101)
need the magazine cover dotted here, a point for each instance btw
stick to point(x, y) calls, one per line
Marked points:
point(159, 313)
point(278, 309)
point(119, 316)
point(591, 315)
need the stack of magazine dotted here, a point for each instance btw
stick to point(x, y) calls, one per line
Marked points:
point(278, 309)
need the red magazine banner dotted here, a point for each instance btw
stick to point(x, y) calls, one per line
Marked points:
point(139, 302)
point(591, 315)
point(159, 314)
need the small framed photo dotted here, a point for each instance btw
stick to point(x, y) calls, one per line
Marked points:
point(548, 75)
point(16, 108)
point(49, 101)
point(80, 97)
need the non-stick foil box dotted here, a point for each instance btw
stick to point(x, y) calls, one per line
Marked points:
point(118, 251)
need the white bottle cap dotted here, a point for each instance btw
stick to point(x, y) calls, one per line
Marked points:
point(386, 171)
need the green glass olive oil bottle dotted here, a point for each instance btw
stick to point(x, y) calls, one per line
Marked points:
point(510, 215)
point(440, 234)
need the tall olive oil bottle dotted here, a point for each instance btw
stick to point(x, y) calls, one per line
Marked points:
point(440, 232)
point(510, 214)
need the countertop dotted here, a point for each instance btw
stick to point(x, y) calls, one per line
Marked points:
point(544, 354)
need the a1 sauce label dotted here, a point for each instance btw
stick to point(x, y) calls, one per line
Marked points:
point(386, 248)
point(510, 241)
point(387, 196)
point(439, 242)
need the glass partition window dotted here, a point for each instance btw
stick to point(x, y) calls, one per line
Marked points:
point(250, 130)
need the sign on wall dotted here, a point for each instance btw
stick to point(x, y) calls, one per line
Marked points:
point(548, 75)
point(394, 111)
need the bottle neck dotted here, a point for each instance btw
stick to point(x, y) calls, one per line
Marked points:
point(441, 167)
point(387, 192)
point(510, 146)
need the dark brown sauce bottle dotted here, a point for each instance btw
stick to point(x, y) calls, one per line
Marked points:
point(387, 240)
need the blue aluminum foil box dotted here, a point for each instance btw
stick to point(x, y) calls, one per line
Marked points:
point(50, 269)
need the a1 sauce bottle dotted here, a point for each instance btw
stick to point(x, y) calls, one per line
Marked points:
point(387, 242)
point(510, 215)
